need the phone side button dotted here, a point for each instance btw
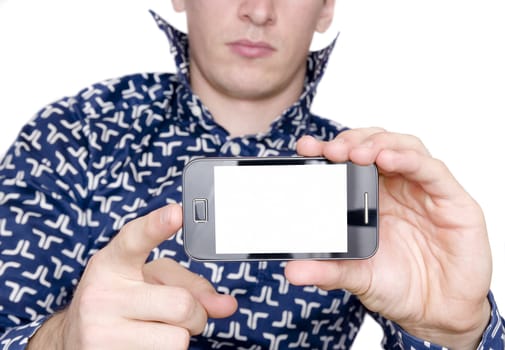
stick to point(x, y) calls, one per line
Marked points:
point(200, 210)
point(366, 219)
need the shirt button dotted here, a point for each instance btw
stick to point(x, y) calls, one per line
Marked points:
point(235, 149)
point(196, 111)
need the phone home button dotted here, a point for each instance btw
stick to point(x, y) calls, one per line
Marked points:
point(200, 210)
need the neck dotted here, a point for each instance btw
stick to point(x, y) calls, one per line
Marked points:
point(240, 115)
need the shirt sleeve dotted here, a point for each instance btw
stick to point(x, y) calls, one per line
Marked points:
point(397, 338)
point(43, 230)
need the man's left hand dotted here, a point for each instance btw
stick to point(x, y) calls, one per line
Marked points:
point(432, 271)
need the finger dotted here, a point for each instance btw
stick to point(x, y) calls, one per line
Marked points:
point(352, 275)
point(168, 272)
point(366, 151)
point(218, 305)
point(429, 173)
point(158, 303)
point(158, 336)
point(362, 146)
point(128, 251)
point(338, 149)
point(356, 136)
point(137, 335)
point(309, 146)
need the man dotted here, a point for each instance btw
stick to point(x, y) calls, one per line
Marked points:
point(110, 158)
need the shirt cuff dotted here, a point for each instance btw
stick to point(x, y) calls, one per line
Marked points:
point(16, 338)
point(492, 338)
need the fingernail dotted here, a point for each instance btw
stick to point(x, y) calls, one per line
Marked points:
point(166, 214)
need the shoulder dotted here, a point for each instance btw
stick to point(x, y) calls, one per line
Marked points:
point(127, 91)
point(126, 108)
point(109, 96)
point(103, 112)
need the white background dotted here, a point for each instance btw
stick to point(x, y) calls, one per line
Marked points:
point(433, 68)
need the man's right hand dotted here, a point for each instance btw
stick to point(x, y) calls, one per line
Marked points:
point(123, 303)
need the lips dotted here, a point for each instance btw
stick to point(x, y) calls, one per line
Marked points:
point(251, 49)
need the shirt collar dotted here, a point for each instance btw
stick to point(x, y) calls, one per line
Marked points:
point(294, 120)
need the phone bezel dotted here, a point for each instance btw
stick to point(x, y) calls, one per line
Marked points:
point(199, 237)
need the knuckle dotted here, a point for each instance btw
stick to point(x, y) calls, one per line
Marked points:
point(121, 242)
point(150, 223)
point(416, 140)
point(200, 283)
point(129, 226)
point(380, 137)
point(95, 262)
point(362, 133)
point(376, 130)
point(184, 306)
point(440, 164)
point(180, 339)
point(90, 300)
point(125, 242)
point(346, 133)
point(367, 132)
point(168, 337)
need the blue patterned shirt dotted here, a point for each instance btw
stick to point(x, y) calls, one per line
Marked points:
point(87, 164)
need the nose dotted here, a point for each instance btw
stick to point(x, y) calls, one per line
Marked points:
point(258, 12)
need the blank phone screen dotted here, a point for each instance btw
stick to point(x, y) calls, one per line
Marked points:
point(281, 209)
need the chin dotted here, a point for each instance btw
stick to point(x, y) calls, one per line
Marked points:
point(253, 93)
point(253, 89)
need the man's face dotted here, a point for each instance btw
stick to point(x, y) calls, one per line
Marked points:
point(251, 49)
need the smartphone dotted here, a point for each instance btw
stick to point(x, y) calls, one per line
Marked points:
point(279, 208)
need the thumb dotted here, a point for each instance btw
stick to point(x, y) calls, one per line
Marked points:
point(170, 273)
point(352, 275)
